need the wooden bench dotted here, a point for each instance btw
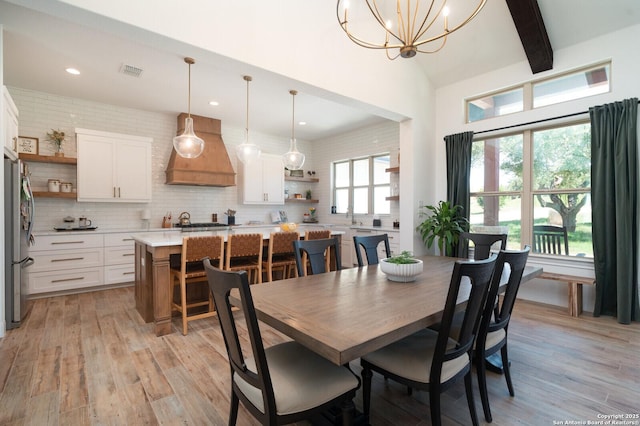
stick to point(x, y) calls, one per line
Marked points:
point(575, 289)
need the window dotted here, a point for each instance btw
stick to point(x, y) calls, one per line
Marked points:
point(579, 84)
point(540, 177)
point(361, 185)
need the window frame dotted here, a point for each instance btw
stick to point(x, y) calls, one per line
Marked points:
point(528, 193)
point(371, 186)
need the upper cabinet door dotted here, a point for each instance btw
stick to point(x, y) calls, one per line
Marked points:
point(9, 124)
point(262, 182)
point(113, 167)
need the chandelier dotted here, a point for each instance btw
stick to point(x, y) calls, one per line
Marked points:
point(294, 159)
point(247, 152)
point(411, 26)
point(188, 145)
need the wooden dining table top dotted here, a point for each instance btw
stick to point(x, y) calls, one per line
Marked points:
point(343, 315)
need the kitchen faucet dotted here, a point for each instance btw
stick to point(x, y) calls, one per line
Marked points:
point(353, 217)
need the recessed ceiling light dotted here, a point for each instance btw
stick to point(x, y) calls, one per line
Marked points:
point(214, 103)
point(302, 123)
point(73, 71)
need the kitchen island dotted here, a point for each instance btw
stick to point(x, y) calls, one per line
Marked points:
point(153, 289)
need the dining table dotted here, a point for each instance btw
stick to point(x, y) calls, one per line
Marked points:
point(343, 315)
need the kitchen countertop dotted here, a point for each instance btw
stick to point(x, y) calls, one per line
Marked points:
point(375, 228)
point(162, 239)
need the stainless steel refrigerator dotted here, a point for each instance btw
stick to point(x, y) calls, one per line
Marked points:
point(18, 224)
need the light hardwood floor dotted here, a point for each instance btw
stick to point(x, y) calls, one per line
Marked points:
point(89, 359)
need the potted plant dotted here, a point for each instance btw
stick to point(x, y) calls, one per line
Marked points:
point(57, 137)
point(402, 268)
point(308, 194)
point(444, 222)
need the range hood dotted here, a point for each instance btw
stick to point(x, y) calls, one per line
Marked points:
point(212, 167)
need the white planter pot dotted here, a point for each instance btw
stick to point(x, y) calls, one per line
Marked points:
point(403, 273)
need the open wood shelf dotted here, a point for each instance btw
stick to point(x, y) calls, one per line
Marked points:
point(70, 195)
point(393, 198)
point(48, 159)
point(299, 200)
point(301, 179)
point(392, 170)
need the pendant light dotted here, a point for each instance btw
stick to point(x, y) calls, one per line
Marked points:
point(247, 152)
point(188, 145)
point(294, 159)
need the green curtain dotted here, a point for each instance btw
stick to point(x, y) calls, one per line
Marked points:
point(614, 197)
point(458, 172)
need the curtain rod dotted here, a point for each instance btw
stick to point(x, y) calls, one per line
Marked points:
point(533, 122)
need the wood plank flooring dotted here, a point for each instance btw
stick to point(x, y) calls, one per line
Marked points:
point(89, 359)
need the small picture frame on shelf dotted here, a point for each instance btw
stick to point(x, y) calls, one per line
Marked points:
point(297, 173)
point(27, 145)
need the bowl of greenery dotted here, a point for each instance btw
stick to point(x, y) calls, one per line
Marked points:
point(402, 268)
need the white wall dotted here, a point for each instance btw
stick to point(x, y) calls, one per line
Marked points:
point(40, 112)
point(619, 47)
point(2, 273)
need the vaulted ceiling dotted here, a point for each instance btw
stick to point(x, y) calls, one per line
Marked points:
point(39, 46)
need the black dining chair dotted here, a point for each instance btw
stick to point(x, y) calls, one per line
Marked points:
point(318, 253)
point(494, 325)
point(370, 245)
point(429, 359)
point(281, 384)
point(482, 243)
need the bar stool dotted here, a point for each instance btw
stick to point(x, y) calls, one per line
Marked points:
point(280, 254)
point(191, 270)
point(244, 253)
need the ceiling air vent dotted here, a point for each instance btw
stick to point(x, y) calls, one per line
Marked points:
point(131, 70)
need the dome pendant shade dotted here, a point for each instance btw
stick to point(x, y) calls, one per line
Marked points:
point(294, 159)
point(248, 152)
point(188, 145)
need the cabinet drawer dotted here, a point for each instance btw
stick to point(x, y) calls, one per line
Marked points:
point(44, 282)
point(119, 274)
point(119, 255)
point(57, 260)
point(118, 239)
point(62, 242)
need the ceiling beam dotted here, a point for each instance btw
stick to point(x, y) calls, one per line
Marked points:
point(533, 35)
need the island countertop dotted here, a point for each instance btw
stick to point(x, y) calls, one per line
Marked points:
point(173, 238)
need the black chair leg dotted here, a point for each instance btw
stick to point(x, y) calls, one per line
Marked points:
point(434, 402)
point(482, 385)
point(468, 385)
point(507, 369)
point(366, 392)
point(233, 411)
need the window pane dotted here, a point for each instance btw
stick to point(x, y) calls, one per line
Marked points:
point(380, 203)
point(360, 200)
point(562, 158)
point(380, 164)
point(342, 200)
point(495, 105)
point(496, 164)
point(342, 175)
point(361, 172)
point(569, 210)
point(497, 215)
point(572, 86)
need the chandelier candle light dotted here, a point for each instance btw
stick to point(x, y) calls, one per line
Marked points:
point(247, 152)
point(188, 145)
point(411, 26)
point(294, 159)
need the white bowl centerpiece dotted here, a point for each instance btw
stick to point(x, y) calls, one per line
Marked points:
point(402, 268)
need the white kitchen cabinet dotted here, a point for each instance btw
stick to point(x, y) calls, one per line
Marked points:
point(262, 182)
point(113, 167)
point(64, 262)
point(119, 255)
point(10, 123)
